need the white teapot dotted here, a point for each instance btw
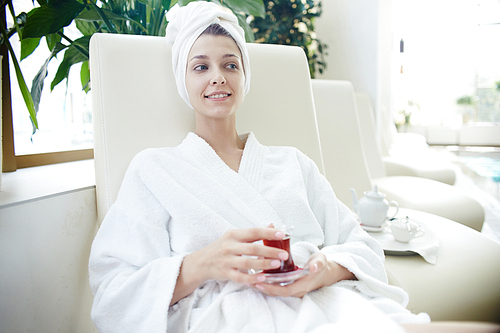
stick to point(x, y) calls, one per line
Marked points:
point(372, 208)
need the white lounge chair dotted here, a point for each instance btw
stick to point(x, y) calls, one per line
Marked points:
point(416, 160)
point(346, 162)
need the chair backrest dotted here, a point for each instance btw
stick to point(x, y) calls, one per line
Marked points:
point(136, 104)
point(371, 146)
point(345, 164)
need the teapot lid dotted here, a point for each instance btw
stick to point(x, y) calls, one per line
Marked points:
point(374, 193)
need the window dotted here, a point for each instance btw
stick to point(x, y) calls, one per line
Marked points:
point(64, 116)
point(449, 70)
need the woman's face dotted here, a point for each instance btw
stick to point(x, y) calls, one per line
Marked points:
point(214, 77)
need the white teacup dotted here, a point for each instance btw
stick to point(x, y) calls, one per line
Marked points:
point(405, 229)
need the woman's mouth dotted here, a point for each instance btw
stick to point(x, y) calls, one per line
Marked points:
point(217, 96)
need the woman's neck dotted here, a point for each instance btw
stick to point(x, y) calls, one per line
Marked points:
point(221, 136)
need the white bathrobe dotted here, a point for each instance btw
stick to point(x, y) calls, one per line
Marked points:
point(174, 201)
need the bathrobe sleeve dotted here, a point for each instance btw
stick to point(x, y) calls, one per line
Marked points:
point(345, 242)
point(132, 270)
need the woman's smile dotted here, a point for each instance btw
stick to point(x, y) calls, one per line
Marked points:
point(218, 96)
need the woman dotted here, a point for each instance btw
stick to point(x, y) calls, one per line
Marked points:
point(174, 250)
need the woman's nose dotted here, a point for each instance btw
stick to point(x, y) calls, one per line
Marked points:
point(218, 79)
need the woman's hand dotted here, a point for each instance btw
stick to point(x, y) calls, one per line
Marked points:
point(229, 258)
point(323, 273)
point(233, 254)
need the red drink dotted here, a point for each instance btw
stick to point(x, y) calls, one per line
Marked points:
point(286, 266)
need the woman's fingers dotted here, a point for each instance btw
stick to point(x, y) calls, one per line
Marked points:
point(251, 235)
point(317, 262)
point(260, 250)
point(295, 289)
point(247, 263)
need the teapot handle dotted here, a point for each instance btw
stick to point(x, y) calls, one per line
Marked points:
point(395, 204)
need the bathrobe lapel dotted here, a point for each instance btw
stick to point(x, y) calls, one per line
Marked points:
point(242, 185)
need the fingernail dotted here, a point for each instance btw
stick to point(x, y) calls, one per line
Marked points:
point(279, 234)
point(276, 263)
point(283, 255)
point(315, 267)
point(259, 286)
point(261, 278)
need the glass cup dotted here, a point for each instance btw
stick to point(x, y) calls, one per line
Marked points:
point(284, 244)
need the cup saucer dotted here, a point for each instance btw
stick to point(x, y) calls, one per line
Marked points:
point(286, 278)
point(373, 229)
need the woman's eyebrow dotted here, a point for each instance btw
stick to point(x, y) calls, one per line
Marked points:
point(202, 56)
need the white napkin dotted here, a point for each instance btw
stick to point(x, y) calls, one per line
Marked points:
point(426, 246)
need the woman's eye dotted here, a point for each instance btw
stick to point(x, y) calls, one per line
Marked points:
point(232, 66)
point(200, 68)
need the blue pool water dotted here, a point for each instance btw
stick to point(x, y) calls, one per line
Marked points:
point(488, 167)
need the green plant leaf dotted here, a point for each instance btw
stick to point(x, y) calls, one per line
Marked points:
point(249, 36)
point(172, 3)
point(252, 7)
point(86, 28)
point(28, 45)
point(52, 40)
point(51, 17)
point(39, 79)
point(28, 100)
point(166, 4)
point(37, 83)
point(92, 15)
point(85, 76)
point(102, 15)
point(184, 2)
point(73, 55)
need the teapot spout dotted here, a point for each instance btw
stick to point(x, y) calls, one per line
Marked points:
point(354, 199)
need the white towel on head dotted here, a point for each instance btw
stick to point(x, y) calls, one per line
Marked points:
point(187, 25)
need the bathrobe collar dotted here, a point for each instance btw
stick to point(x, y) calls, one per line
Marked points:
point(243, 183)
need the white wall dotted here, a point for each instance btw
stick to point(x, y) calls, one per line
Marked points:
point(360, 43)
point(44, 250)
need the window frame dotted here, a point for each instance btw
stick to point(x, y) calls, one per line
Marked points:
point(10, 161)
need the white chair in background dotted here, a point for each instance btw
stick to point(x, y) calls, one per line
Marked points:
point(346, 163)
point(463, 284)
point(416, 160)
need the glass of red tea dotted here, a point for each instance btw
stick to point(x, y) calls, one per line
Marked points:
point(284, 244)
